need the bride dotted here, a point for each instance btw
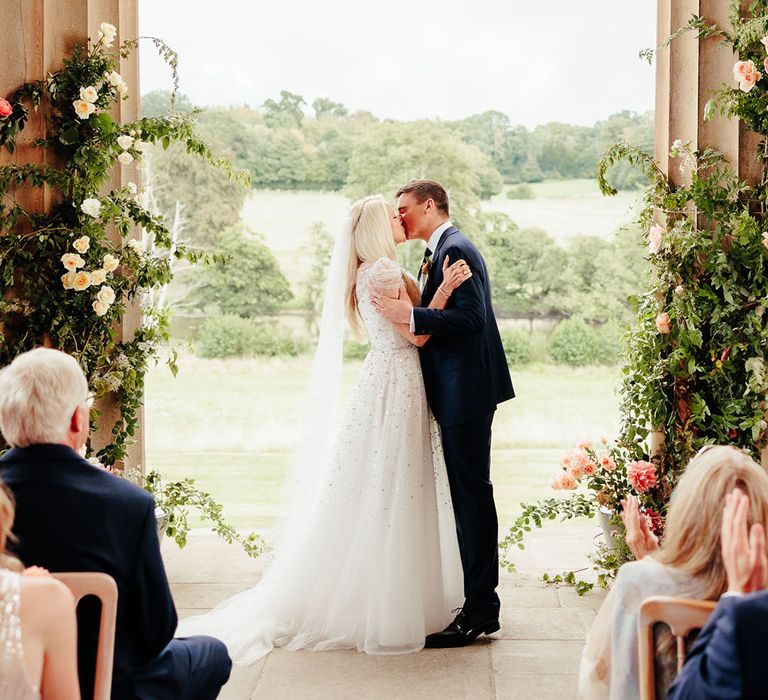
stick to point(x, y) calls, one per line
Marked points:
point(369, 559)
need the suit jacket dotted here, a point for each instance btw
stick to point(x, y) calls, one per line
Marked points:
point(728, 659)
point(464, 365)
point(73, 516)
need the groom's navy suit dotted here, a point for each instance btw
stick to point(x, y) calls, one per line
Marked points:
point(466, 377)
point(73, 516)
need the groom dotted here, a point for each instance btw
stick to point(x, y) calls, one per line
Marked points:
point(465, 376)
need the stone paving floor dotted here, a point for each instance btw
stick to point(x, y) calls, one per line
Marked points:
point(535, 654)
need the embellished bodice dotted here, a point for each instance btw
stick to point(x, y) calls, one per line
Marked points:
point(384, 273)
point(14, 682)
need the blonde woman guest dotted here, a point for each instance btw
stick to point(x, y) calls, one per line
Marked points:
point(369, 559)
point(688, 564)
point(38, 630)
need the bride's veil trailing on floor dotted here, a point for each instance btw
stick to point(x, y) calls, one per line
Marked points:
point(247, 623)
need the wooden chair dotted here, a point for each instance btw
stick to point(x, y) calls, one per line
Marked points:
point(102, 586)
point(682, 616)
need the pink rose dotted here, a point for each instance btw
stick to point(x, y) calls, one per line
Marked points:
point(749, 81)
point(556, 484)
point(5, 108)
point(589, 469)
point(641, 476)
point(575, 471)
point(585, 445)
point(662, 323)
point(742, 69)
point(764, 42)
point(567, 482)
point(607, 463)
point(655, 237)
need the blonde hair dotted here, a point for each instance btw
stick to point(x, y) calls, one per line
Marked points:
point(692, 532)
point(7, 514)
point(371, 239)
point(39, 392)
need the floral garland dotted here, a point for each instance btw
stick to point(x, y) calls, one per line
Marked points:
point(67, 274)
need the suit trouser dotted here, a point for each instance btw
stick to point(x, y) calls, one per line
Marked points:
point(467, 449)
point(191, 668)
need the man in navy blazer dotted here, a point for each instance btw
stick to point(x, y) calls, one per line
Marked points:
point(728, 658)
point(465, 376)
point(74, 516)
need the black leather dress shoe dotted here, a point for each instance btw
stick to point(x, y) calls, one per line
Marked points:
point(464, 630)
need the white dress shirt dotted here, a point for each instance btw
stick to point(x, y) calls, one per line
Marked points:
point(432, 243)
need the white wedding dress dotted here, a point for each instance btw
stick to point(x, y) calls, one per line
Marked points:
point(375, 564)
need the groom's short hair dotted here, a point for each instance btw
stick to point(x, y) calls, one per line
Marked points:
point(427, 189)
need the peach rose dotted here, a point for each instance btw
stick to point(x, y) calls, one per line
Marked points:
point(589, 469)
point(574, 471)
point(742, 69)
point(764, 42)
point(608, 463)
point(555, 485)
point(749, 81)
point(5, 108)
point(567, 482)
point(68, 280)
point(641, 476)
point(82, 281)
point(72, 261)
point(663, 323)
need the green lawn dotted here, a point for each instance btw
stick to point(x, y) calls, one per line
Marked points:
point(231, 424)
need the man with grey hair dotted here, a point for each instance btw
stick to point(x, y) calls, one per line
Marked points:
point(74, 516)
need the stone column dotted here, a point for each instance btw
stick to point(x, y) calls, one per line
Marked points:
point(39, 33)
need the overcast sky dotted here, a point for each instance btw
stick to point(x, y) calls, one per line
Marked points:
point(538, 61)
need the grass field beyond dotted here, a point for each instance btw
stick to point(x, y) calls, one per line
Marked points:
point(231, 425)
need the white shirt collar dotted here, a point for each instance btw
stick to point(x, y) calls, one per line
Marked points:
point(437, 234)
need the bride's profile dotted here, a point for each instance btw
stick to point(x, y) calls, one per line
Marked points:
point(369, 558)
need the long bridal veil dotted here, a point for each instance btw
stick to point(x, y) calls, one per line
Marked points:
point(247, 623)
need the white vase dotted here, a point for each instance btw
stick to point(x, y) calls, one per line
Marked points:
point(161, 519)
point(611, 532)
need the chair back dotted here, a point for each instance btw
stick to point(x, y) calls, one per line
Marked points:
point(682, 615)
point(102, 586)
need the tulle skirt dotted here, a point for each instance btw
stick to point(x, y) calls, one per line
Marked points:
point(374, 563)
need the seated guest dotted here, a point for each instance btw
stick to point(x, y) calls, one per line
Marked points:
point(38, 632)
point(687, 565)
point(73, 516)
point(728, 658)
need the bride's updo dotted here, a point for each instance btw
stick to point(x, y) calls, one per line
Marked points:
point(372, 239)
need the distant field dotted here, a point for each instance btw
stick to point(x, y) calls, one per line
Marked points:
point(231, 425)
point(564, 208)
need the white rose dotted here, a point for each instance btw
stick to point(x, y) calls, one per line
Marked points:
point(83, 109)
point(135, 246)
point(91, 206)
point(89, 94)
point(125, 158)
point(107, 33)
point(81, 281)
point(131, 187)
point(106, 295)
point(100, 307)
point(68, 280)
point(72, 261)
point(122, 89)
point(98, 276)
point(110, 262)
point(81, 244)
point(114, 78)
point(125, 141)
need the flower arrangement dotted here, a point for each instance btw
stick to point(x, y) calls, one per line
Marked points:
point(67, 273)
